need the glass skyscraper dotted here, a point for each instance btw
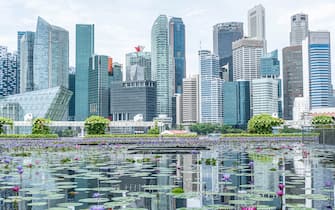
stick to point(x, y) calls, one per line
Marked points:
point(224, 34)
point(160, 65)
point(8, 70)
point(26, 64)
point(177, 43)
point(98, 96)
point(72, 88)
point(299, 29)
point(51, 56)
point(270, 65)
point(84, 50)
point(138, 65)
point(20, 34)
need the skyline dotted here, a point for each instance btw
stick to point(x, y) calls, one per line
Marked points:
point(116, 38)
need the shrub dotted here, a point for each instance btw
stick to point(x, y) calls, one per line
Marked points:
point(263, 123)
point(322, 120)
point(96, 125)
point(5, 121)
point(40, 126)
point(177, 190)
point(154, 130)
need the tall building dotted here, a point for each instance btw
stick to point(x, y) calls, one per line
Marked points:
point(98, 96)
point(177, 45)
point(211, 88)
point(256, 22)
point(84, 50)
point(265, 96)
point(20, 34)
point(134, 98)
point(160, 65)
point(72, 88)
point(270, 66)
point(191, 100)
point(115, 74)
point(138, 65)
point(51, 56)
point(317, 87)
point(246, 58)
point(8, 70)
point(292, 78)
point(3, 51)
point(299, 29)
point(26, 64)
point(224, 34)
point(236, 104)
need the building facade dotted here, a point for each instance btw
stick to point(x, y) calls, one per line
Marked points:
point(299, 29)
point(191, 100)
point(236, 104)
point(265, 96)
point(133, 98)
point(51, 56)
point(292, 78)
point(98, 96)
point(270, 65)
point(72, 88)
point(84, 50)
point(138, 65)
point(224, 34)
point(161, 70)
point(256, 22)
point(8, 70)
point(177, 48)
point(26, 64)
point(211, 88)
point(317, 87)
point(246, 58)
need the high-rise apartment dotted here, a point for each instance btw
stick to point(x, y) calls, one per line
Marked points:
point(224, 34)
point(191, 99)
point(161, 72)
point(299, 29)
point(8, 69)
point(211, 88)
point(292, 78)
point(84, 50)
point(51, 56)
point(26, 64)
point(177, 46)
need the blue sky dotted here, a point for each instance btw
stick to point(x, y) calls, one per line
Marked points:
point(122, 24)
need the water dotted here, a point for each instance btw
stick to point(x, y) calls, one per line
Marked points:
point(221, 176)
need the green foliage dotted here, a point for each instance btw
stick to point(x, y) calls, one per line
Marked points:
point(263, 123)
point(268, 135)
point(286, 129)
point(206, 128)
point(65, 160)
point(5, 121)
point(210, 161)
point(28, 136)
point(191, 135)
point(68, 133)
point(40, 126)
point(322, 120)
point(96, 125)
point(154, 130)
point(177, 190)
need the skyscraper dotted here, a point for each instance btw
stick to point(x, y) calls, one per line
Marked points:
point(265, 96)
point(98, 95)
point(270, 65)
point(211, 88)
point(317, 88)
point(20, 34)
point(292, 78)
point(26, 64)
point(256, 22)
point(84, 50)
point(51, 56)
point(299, 29)
point(224, 34)
point(160, 65)
point(177, 45)
point(246, 58)
point(236, 104)
point(138, 65)
point(191, 100)
point(72, 88)
point(8, 69)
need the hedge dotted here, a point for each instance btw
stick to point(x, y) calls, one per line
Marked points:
point(140, 136)
point(28, 136)
point(268, 135)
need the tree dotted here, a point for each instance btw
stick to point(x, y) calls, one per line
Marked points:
point(263, 123)
point(322, 120)
point(96, 125)
point(40, 126)
point(5, 121)
point(154, 130)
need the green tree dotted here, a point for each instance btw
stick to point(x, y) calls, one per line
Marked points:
point(263, 123)
point(5, 121)
point(154, 130)
point(96, 125)
point(41, 126)
point(322, 120)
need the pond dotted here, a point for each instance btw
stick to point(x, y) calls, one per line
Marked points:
point(70, 176)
